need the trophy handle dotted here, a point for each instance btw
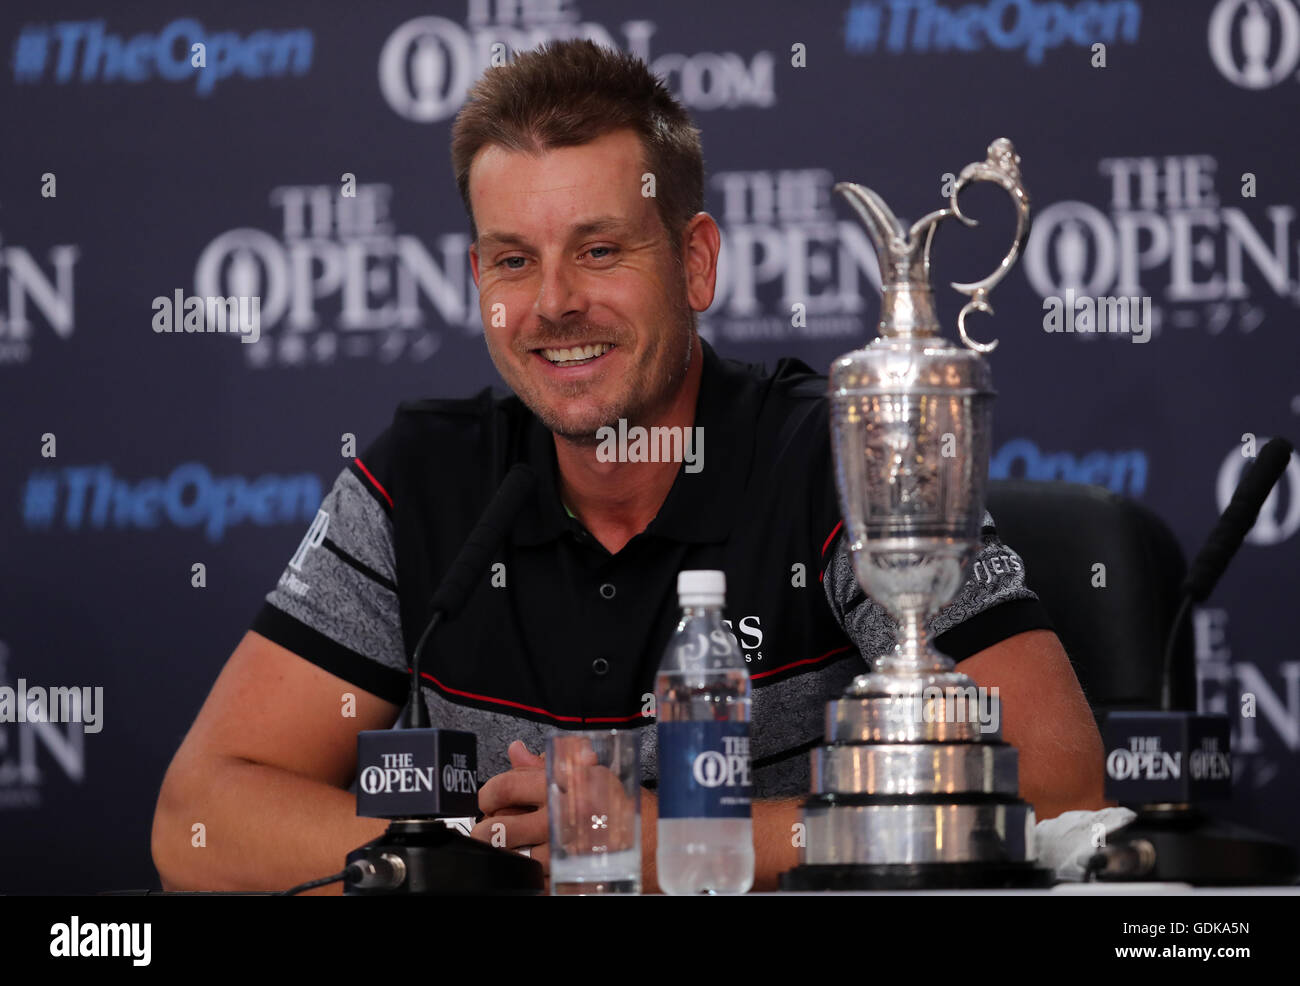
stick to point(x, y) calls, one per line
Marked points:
point(1003, 167)
point(904, 255)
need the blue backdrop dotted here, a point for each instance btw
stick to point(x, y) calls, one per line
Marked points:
point(1162, 165)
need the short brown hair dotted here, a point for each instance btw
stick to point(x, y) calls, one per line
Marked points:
point(570, 92)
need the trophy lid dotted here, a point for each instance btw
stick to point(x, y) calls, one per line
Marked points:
point(911, 355)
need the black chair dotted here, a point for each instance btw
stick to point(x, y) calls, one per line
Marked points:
point(1115, 636)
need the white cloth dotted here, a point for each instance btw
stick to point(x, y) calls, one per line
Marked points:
point(1066, 841)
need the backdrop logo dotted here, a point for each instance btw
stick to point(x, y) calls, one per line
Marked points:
point(338, 280)
point(22, 281)
point(91, 497)
point(1166, 234)
point(428, 64)
point(1120, 472)
point(21, 772)
point(1263, 703)
point(902, 26)
point(1255, 43)
point(1275, 523)
point(83, 51)
point(789, 269)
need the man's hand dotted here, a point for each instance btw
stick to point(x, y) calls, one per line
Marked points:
point(513, 804)
point(593, 811)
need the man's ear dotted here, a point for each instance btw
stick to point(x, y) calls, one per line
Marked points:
point(701, 243)
point(473, 260)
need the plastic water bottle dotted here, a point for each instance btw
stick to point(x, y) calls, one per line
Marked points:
point(706, 831)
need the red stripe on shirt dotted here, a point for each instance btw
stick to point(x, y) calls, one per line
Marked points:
point(795, 664)
point(821, 576)
point(528, 708)
point(832, 537)
point(372, 479)
point(635, 715)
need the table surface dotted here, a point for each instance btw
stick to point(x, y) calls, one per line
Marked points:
point(1135, 889)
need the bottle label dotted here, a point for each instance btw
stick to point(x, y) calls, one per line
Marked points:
point(704, 770)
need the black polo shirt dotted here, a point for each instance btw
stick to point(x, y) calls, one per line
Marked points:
point(560, 633)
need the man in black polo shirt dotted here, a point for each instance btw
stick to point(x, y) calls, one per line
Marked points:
point(589, 289)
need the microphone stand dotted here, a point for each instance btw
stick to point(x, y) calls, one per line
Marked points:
point(1177, 841)
point(423, 855)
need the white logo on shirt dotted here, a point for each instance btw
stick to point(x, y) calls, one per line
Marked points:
point(312, 539)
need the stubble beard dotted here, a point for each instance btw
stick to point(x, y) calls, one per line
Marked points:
point(648, 393)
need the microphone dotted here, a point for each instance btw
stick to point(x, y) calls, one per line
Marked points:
point(415, 774)
point(1161, 762)
point(1256, 482)
point(1252, 490)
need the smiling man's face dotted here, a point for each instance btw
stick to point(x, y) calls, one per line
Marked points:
point(584, 303)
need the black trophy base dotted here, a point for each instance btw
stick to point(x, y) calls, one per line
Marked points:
point(918, 876)
point(442, 861)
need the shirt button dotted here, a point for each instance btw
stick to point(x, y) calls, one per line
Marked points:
point(600, 666)
point(607, 591)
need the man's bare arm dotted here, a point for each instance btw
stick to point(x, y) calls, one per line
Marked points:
point(1046, 718)
point(774, 839)
point(264, 769)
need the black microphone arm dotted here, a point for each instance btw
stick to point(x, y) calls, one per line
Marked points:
point(1188, 753)
point(466, 570)
point(1238, 518)
point(1253, 489)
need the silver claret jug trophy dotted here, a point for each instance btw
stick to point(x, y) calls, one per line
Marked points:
point(914, 788)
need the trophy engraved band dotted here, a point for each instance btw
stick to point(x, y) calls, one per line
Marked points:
point(914, 788)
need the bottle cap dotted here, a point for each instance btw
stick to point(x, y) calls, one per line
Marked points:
point(706, 587)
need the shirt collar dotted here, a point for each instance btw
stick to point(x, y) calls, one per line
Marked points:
point(701, 506)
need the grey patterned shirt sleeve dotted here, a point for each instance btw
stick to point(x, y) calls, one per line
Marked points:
point(997, 576)
point(341, 581)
